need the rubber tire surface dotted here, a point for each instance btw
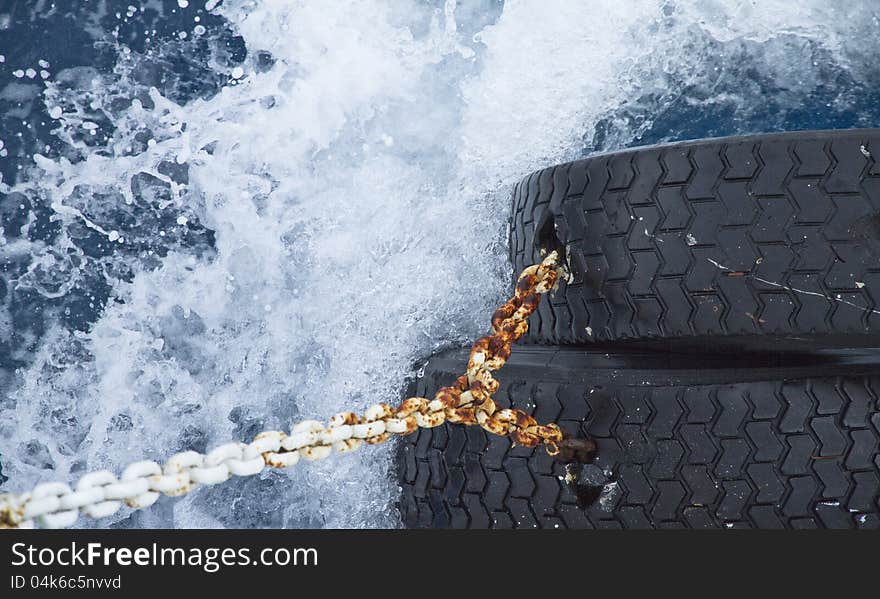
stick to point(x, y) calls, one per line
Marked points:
point(788, 445)
point(720, 241)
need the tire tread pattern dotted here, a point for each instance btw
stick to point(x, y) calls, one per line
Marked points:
point(775, 234)
point(787, 453)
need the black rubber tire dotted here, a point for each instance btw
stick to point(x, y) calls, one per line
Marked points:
point(789, 444)
point(712, 243)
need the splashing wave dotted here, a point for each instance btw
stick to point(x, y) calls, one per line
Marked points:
point(220, 219)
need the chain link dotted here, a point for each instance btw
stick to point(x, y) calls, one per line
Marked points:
point(468, 401)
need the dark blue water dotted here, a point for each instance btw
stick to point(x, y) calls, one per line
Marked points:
point(87, 33)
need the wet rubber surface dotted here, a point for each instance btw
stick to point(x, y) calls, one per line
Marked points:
point(791, 444)
point(736, 242)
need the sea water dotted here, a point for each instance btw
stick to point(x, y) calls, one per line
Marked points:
point(222, 217)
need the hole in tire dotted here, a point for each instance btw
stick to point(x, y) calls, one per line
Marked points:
point(550, 233)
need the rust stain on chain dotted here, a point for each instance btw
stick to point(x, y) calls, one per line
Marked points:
point(468, 401)
point(10, 515)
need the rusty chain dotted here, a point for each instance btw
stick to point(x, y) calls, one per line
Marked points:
point(468, 401)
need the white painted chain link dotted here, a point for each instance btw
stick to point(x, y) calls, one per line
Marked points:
point(100, 494)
